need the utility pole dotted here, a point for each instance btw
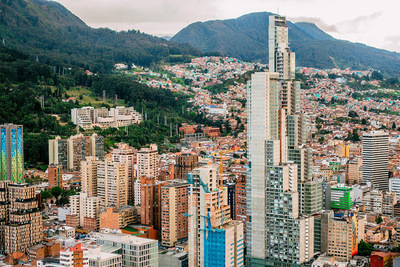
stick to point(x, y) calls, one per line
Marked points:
point(170, 129)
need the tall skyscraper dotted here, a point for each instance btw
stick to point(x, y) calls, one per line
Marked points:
point(279, 187)
point(12, 153)
point(214, 239)
point(375, 167)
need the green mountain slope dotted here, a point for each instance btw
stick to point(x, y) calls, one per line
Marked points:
point(48, 30)
point(247, 38)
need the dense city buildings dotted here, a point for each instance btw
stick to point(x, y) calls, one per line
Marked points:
point(174, 206)
point(70, 152)
point(12, 153)
point(375, 159)
point(214, 239)
point(279, 162)
point(89, 117)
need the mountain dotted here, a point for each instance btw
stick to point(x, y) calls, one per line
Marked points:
point(247, 38)
point(46, 29)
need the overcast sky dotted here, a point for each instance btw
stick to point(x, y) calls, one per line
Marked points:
point(375, 23)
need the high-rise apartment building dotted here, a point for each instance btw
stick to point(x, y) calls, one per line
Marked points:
point(375, 167)
point(174, 206)
point(280, 191)
point(185, 163)
point(70, 152)
point(20, 217)
point(89, 176)
point(241, 203)
point(54, 175)
point(84, 212)
point(112, 183)
point(147, 161)
point(123, 153)
point(150, 207)
point(214, 239)
point(12, 153)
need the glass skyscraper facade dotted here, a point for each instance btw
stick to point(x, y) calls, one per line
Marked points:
point(12, 153)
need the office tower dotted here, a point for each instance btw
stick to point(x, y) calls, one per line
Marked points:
point(74, 256)
point(214, 239)
point(147, 161)
point(85, 212)
point(376, 159)
point(135, 251)
point(241, 203)
point(280, 197)
point(20, 217)
point(112, 183)
point(89, 176)
point(185, 163)
point(12, 153)
point(123, 153)
point(343, 236)
point(174, 206)
point(150, 207)
point(70, 152)
point(54, 174)
point(342, 197)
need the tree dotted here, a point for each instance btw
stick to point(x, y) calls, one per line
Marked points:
point(394, 126)
point(365, 108)
point(45, 194)
point(364, 121)
point(56, 191)
point(352, 114)
point(365, 249)
point(376, 75)
point(321, 140)
point(379, 219)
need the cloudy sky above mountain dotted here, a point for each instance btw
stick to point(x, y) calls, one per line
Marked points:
point(374, 23)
